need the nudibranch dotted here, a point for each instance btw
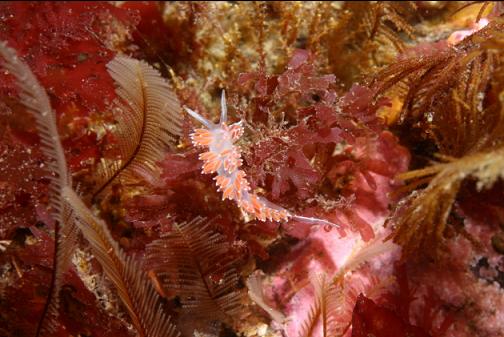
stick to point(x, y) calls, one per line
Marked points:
point(223, 157)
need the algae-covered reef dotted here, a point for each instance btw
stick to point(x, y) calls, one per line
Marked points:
point(300, 169)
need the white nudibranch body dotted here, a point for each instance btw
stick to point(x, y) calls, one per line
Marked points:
point(223, 158)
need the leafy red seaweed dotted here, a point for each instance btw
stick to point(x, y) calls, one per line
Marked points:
point(369, 318)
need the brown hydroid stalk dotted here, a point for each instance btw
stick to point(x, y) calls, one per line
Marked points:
point(133, 288)
point(149, 121)
point(34, 98)
point(194, 263)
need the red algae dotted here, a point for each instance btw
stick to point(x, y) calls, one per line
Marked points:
point(368, 318)
point(330, 129)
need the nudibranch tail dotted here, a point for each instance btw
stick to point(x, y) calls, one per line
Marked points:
point(314, 221)
point(224, 159)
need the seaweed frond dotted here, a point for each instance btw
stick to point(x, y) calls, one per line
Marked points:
point(363, 28)
point(424, 214)
point(325, 309)
point(34, 98)
point(149, 121)
point(194, 263)
point(454, 96)
point(133, 287)
point(255, 291)
point(444, 90)
point(362, 253)
point(334, 302)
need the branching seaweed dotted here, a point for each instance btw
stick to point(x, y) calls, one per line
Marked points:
point(194, 263)
point(325, 308)
point(133, 288)
point(422, 219)
point(135, 291)
point(446, 90)
point(360, 29)
point(149, 120)
point(451, 94)
point(34, 98)
point(332, 308)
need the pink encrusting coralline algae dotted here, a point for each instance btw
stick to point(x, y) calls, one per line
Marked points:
point(470, 286)
point(364, 267)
